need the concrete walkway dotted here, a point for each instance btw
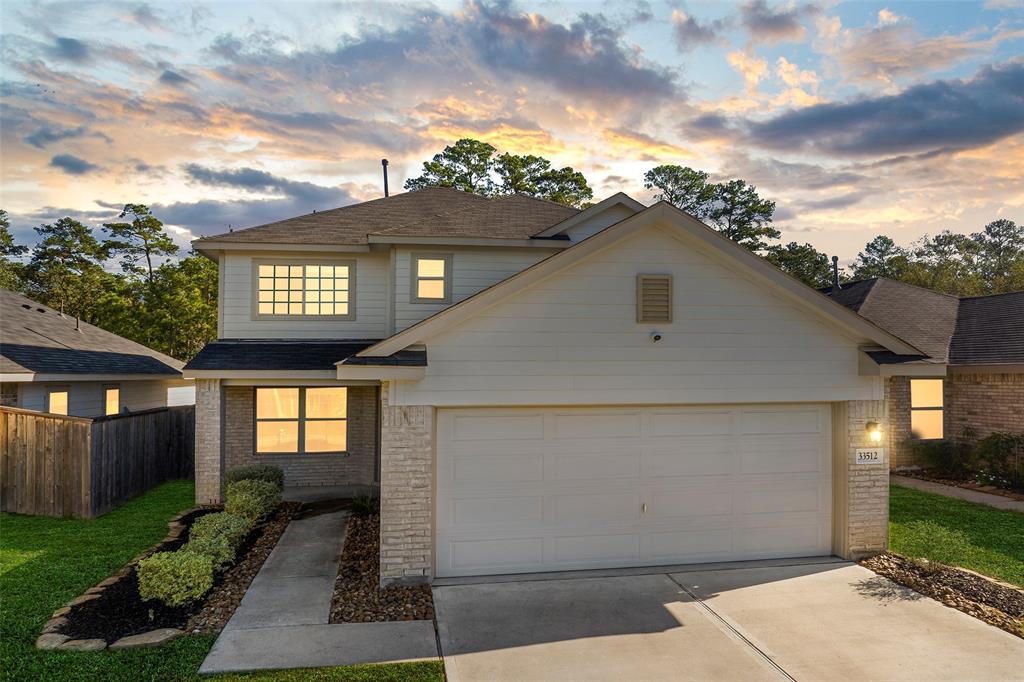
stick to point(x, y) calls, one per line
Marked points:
point(997, 501)
point(282, 621)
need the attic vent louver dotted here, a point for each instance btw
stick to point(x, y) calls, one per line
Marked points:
point(654, 298)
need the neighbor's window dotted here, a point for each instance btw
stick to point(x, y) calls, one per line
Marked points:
point(306, 289)
point(298, 420)
point(111, 400)
point(926, 408)
point(57, 401)
point(432, 278)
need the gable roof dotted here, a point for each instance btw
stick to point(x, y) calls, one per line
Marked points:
point(619, 198)
point(35, 339)
point(948, 329)
point(430, 212)
point(669, 215)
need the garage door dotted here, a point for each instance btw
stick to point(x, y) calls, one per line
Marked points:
point(522, 489)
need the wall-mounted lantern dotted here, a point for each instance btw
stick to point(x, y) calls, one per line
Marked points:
point(874, 431)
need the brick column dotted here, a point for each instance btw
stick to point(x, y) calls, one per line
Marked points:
point(406, 493)
point(209, 453)
point(866, 528)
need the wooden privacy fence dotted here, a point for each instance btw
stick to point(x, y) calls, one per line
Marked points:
point(52, 465)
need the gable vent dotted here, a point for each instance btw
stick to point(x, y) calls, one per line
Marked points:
point(654, 298)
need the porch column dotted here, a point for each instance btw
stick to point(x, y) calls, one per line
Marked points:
point(860, 491)
point(209, 451)
point(406, 493)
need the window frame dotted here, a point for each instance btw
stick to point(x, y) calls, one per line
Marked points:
point(414, 278)
point(103, 394)
point(301, 419)
point(62, 388)
point(941, 409)
point(256, 315)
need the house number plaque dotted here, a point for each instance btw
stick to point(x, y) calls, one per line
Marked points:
point(869, 456)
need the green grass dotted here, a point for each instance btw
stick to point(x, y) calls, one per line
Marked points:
point(45, 562)
point(957, 533)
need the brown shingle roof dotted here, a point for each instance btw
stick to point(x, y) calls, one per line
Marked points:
point(989, 330)
point(433, 212)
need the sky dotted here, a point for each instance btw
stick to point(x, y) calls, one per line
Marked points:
point(857, 118)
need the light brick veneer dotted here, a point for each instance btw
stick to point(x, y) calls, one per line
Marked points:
point(406, 493)
point(987, 403)
point(866, 527)
point(897, 392)
point(209, 454)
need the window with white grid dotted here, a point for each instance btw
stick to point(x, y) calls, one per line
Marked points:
point(304, 289)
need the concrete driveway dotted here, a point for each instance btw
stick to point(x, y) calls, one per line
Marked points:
point(756, 621)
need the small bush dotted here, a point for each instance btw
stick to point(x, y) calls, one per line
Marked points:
point(252, 500)
point(951, 458)
point(364, 505)
point(218, 537)
point(175, 578)
point(1000, 459)
point(256, 472)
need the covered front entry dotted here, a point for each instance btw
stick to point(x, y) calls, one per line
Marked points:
point(547, 489)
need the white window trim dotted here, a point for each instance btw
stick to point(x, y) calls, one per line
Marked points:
point(103, 397)
point(301, 419)
point(255, 289)
point(414, 277)
point(941, 409)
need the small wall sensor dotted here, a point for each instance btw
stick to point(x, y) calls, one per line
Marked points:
point(655, 337)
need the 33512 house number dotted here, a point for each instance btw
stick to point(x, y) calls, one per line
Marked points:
point(869, 456)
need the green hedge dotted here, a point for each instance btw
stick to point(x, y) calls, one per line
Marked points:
point(218, 536)
point(256, 472)
point(175, 578)
point(252, 500)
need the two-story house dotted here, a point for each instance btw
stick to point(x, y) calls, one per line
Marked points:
point(533, 387)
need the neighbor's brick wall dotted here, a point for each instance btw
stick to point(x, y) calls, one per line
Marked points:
point(897, 392)
point(867, 484)
point(406, 493)
point(209, 455)
point(357, 467)
point(987, 403)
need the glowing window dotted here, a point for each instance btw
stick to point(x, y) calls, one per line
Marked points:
point(111, 400)
point(926, 408)
point(57, 401)
point(299, 420)
point(299, 290)
point(431, 280)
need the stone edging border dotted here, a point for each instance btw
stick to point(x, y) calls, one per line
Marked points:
point(53, 639)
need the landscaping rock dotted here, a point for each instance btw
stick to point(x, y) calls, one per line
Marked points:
point(93, 590)
point(62, 611)
point(148, 639)
point(83, 645)
point(54, 624)
point(83, 599)
point(109, 581)
point(51, 640)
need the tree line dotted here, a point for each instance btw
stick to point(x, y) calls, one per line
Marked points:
point(129, 281)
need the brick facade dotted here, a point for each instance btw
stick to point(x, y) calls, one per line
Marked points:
point(897, 392)
point(406, 493)
point(866, 526)
point(209, 454)
point(987, 403)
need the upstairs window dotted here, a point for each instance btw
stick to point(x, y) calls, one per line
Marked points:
point(304, 290)
point(301, 420)
point(926, 408)
point(431, 278)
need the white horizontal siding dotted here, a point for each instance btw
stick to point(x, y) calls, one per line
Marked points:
point(573, 339)
point(472, 271)
point(370, 294)
point(85, 398)
point(596, 223)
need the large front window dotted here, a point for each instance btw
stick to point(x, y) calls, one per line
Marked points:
point(926, 408)
point(301, 420)
point(299, 290)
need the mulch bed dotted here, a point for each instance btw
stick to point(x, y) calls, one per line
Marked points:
point(120, 612)
point(996, 604)
point(968, 484)
point(357, 597)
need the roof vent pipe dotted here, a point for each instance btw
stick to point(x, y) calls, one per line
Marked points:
point(78, 323)
point(835, 274)
point(384, 164)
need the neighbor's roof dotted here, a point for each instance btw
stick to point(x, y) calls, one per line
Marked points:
point(981, 330)
point(35, 339)
point(433, 212)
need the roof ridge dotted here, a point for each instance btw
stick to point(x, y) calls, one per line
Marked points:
point(918, 286)
point(439, 214)
point(541, 199)
point(1004, 293)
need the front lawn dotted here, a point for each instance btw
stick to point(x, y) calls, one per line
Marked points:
point(45, 562)
point(957, 533)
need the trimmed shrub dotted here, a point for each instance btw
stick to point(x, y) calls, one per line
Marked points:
point(256, 472)
point(218, 537)
point(951, 458)
point(175, 578)
point(364, 505)
point(252, 500)
point(1001, 459)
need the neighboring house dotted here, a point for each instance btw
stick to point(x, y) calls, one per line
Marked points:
point(971, 370)
point(51, 362)
point(537, 388)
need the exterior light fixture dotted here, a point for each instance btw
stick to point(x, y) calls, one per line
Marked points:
point(874, 430)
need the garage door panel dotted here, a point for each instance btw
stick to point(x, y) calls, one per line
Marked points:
point(690, 484)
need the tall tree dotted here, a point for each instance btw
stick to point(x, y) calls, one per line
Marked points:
point(465, 165)
point(803, 261)
point(11, 271)
point(65, 270)
point(142, 239)
point(734, 208)
point(1001, 256)
point(881, 257)
point(182, 312)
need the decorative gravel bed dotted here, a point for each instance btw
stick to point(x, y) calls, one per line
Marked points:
point(975, 595)
point(112, 611)
point(357, 597)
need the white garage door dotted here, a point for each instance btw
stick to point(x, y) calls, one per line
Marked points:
point(549, 489)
